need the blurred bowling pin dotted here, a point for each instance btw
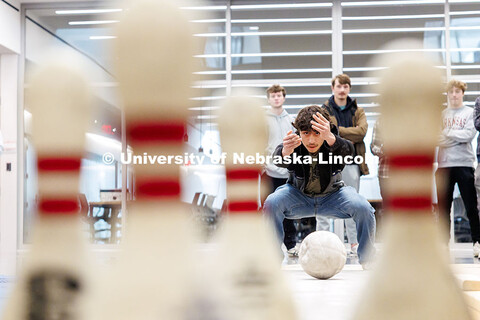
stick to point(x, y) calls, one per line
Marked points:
point(155, 48)
point(412, 279)
point(54, 282)
point(251, 282)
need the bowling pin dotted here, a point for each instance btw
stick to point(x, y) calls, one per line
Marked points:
point(154, 68)
point(412, 279)
point(54, 281)
point(249, 276)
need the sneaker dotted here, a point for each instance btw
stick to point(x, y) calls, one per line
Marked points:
point(293, 252)
point(476, 249)
point(353, 249)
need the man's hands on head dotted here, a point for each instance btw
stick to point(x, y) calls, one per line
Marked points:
point(290, 142)
point(322, 126)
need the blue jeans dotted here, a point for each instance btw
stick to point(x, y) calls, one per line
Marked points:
point(290, 203)
point(351, 177)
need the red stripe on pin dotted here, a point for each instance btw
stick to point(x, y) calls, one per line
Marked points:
point(58, 207)
point(408, 161)
point(242, 207)
point(242, 174)
point(413, 203)
point(58, 164)
point(156, 132)
point(160, 188)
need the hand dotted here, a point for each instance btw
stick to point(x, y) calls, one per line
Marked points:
point(322, 126)
point(290, 142)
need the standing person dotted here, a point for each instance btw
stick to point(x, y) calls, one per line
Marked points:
point(279, 123)
point(316, 188)
point(352, 125)
point(377, 150)
point(476, 116)
point(456, 159)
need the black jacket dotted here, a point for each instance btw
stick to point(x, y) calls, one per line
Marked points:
point(330, 174)
point(354, 133)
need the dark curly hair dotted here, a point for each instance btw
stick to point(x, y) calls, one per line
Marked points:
point(305, 115)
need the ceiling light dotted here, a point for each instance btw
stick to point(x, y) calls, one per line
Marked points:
point(101, 37)
point(281, 71)
point(280, 6)
point(399, 17)
point(389, 3)
point(210, 21)
point(281, 33)
point(87, 11)
point(77, 23)
point(267, 54)
point(205, 8)
point(391, 51)
point(384, 30)
point(280, 20)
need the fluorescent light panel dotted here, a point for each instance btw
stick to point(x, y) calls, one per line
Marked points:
point(268, 54)
point(87, 11)
point(210, 21)
point(206, 116)
point(203, 108)
point(206, 8)
point(265, 33)
point(390, 3)
point(264, 85)
point(390, 51)
point(463, 1)
point(392, 30)
point(102, 37)
point(281, 71)
point(283, 54)
point(234, 21)
point(207, 98)
point(399, 17)
point(281, 6)
point(413, 16)
point(465, 28)
point(78, 23)
point(464, 13)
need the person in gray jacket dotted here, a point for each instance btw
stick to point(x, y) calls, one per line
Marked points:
point(456, 160)
point(315, 188)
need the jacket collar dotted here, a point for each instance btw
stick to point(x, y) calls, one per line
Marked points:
point(351, 103)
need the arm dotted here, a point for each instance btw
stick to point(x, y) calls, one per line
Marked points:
point(465, 135)
point(342, 147)
point(377, 143)
point(278, 152)
point(356, 134)
point(476, 114)
point(290, 142)
point(445, 142)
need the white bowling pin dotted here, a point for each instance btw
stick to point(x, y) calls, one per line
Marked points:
point(412, 279)
point(251, 282)
point(55, 280)
point(154, 50)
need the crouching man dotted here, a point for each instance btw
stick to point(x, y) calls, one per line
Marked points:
point(314, 186)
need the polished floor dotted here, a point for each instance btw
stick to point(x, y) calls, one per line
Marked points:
point(332, 299)
point(335, 298)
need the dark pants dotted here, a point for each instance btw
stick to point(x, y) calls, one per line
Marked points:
point(465, 178)
point(290, 239)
